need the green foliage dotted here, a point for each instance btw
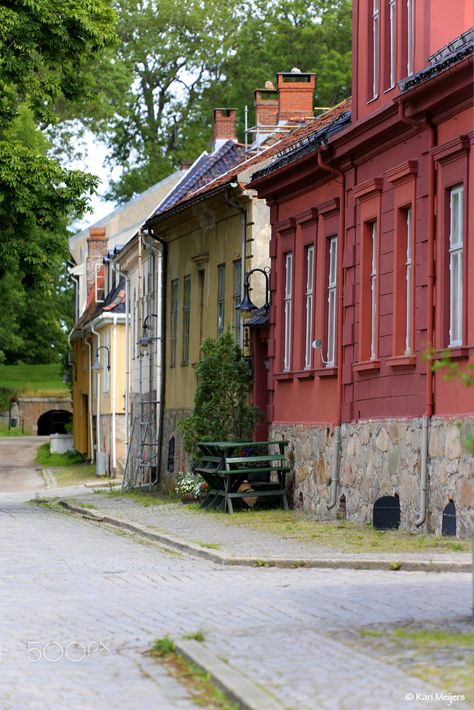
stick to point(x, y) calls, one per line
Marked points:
point(5, 431)
point(45, 458)
point(221, 410)
point(32, 379)
point(163, 647)
point(46, 56)
point(177, 61)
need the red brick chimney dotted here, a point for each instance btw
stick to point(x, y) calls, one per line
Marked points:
point(295, 95)
point(266, 105)
point(225, 126)
point(96, 250)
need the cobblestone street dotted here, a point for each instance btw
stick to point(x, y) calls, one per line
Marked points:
point(72, 587)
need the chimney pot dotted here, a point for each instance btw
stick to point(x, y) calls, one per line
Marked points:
point(225, 126)
point(295, 95)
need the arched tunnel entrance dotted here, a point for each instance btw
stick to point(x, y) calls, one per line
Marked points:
point(53, 422)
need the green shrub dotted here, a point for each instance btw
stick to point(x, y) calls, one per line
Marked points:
point(45, 458)
point(221, 409)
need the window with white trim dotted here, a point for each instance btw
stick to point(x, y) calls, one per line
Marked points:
point(186, 318)
point(408, 281)
point(174, 321)
point(288, 307)
point(375, 47)
point(220, 299)
point(308, 351)
point(332, 283)
point(237, 298)
point(373, 291)
point(410, 35)
point(392, 12)
point(456, 203)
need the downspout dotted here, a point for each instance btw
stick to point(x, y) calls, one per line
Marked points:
point(114, 371)
point(340, 302)
point(161, 358)
point(429, 398)
point(91, 421)
point(97, 409)
point(243, 247)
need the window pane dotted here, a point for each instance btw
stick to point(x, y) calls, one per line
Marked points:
point(174, 320)
point(309, 305)
point(220, 299)
point(287, 309)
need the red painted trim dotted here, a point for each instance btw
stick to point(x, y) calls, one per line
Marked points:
point(367, 189)
point(403, 171)
point(366, 366)
point(401, 361)
point(326, 372)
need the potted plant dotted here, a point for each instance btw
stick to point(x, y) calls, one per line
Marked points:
point(189, 487)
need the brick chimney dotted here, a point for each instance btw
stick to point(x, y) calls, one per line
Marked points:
point(225, 126)
point(295, 95)
point(266, 105)
point(96, 250)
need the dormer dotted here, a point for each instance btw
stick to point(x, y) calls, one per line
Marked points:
point(393, 39)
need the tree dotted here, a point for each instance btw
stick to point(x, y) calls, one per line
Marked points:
point(46, 56)
point(176, 62)
point(221, 410)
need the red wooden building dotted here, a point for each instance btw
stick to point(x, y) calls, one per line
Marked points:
point(372, 250)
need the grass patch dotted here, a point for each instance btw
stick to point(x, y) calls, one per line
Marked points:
point(341, 535)
point(197, 636)
point(145, 498)
point(196, 680)
point(39, 380)
point(442, 656)
point(70, 475)
point(5, 431)
point(45, 458)
point(210, 545)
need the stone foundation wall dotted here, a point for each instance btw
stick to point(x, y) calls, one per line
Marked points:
point(381, 458)
point(181, 460)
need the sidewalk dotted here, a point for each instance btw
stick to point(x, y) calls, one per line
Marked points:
point(213, 537)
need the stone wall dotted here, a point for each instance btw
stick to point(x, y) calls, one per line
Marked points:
point(181, 461)
point(381, 458)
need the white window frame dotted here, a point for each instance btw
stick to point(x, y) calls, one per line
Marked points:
point(408, 280)
point(376, 47)
point(393, 41)
point(237, 298)
point(174, 321)
point(410, 35)
point(186, 318)
point(332, 286)
point(309, 303)
point(288, 308)
point(456, 245)
point(220, 300)
point(373, 290)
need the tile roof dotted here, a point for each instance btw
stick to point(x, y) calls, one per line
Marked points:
point(445, 57)
point(288, 141)
point(205, 169)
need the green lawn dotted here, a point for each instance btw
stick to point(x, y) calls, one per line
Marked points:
point(33, 379)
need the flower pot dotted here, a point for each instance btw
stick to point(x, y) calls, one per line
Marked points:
point(188, 498)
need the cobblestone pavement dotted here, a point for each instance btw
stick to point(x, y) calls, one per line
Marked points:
point(68, 581)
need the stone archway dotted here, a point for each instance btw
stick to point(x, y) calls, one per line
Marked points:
point(53, 421)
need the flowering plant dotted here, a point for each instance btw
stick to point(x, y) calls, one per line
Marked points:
point(190, 483)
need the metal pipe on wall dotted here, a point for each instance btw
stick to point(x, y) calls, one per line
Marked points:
point(91, 421)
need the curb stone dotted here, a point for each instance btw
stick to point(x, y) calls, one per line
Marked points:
point(220, 558)
point(238, 687)
point(49, 480)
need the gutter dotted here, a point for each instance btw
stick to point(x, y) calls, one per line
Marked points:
point(335, 172)
point(429, 396)
point(97, 409)
point(119, 271)
point(91, 421)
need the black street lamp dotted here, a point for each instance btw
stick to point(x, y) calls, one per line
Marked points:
point(97, 367)
point(247, 305)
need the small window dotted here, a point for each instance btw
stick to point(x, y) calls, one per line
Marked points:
point(201, 305)
point(186, 318)
point(332, 283)
point(410, 34)
point(392, 21)
point(309, 306)
point(375, 47)
point(288, 307)
point(174, 321)
point(373, 293)
point(408, 281)
point(220, 299)
point(237, 298)
point(456, 202)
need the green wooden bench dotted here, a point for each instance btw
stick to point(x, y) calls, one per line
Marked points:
point(226, 465)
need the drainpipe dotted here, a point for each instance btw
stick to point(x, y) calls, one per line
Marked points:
point(243, 248)
point(113, 375)
point(97, 410)
point(119, 271)
point(91, 428)
point(335, 172)
point(429, 397)
point(162, 354)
